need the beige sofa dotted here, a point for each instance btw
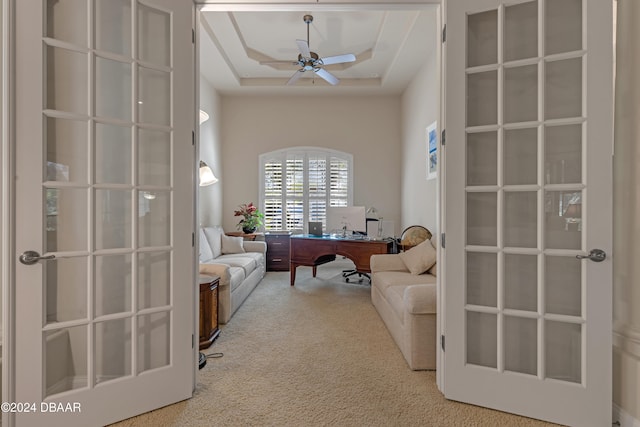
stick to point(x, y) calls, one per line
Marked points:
point(239, 263)
point(406, 302)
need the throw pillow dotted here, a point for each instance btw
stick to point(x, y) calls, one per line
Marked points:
point(419, 258)
point(232, 244)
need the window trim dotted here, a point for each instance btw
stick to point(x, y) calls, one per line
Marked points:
point(305, 152)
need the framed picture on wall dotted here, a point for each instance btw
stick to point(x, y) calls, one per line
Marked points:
point(432, 150)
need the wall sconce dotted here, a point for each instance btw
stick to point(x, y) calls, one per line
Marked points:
point(203, 116)
point(206, 175)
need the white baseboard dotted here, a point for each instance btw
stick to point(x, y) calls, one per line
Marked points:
point(624, 418)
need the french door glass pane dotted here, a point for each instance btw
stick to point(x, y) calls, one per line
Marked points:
point(563, 154)
point(65, 359)
point(113, 284)
point(67, 150)
point(563, 26)
point(154, 276)
point(154, 341)
point(521, 345)
point(520, 156)
point(154, 213)
point(482, 158)
point(154, 32)
point(563, 285)
point(482, 339)
point(113, 350)
point(154, 96)
point(521, 282)
point(521, 31)
point(521, 94)
point(482, 279)
point(563, 354)
point(66, 211)
point(67, 21)
point(113, 26)
point(154, 157)
point(482, 224)
point(520, 219)
point(113, 149)
point(66, 289)
point(67, 69)
point(563, 89)
point(113, 219)
point(113, 89)
point(563, 219)
point(482, 98)
point(482, 38)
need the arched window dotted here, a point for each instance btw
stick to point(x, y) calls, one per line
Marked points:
point(298, 184)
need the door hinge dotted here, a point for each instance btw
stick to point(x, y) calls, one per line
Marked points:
point(193, 340)
point(193, 137)
point(193, 240)
point(444, 33)
point(442, 241)
point(442, 342)
point(193, 35)
point(443, 138)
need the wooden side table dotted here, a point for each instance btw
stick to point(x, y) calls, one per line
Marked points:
point(247, 236)
point(209, 329)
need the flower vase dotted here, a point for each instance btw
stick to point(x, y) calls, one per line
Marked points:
point(248, 230)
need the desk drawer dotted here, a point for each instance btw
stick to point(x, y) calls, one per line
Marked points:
point(278, 252)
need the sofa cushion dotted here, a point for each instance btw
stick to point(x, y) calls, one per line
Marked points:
point(214, 237)
point(248, 264)
point(419, 258)
point(237, 277)
point(205, 250)
point(383, 279)
point(433, 270)
point(232, 244)
point(420, 299)
point(395, 297)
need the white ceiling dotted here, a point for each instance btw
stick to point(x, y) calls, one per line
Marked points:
point(390, 48)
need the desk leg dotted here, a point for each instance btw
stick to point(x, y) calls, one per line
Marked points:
point(315, 269)
point(292, 268)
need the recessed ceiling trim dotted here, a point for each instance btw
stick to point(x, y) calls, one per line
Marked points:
point(248, 6)
point(407, 34)
point(216, 42)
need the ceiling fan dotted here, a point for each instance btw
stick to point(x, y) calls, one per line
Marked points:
point(310, 61)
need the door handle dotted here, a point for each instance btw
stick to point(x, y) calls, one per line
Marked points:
point(31, 257)
point(596, 255)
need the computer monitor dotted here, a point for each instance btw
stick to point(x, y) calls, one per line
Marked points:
point(346, 219)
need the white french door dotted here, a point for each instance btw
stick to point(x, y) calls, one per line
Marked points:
point(105, 282)
point(528, 196)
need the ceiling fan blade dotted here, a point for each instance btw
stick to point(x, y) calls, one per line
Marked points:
point(339, 59)
point(295, 77)
point(303, 46)
point(328, 76)
point(277, 62)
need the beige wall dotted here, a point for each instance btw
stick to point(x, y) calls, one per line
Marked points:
point(367, 127)
point(420, 108)
point(211, 153)
point(626, 225)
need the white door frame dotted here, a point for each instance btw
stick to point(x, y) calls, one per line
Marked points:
point(7, 209)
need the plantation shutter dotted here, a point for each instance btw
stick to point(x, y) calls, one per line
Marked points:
point(317, 188)
point(273, 194)
point(295, 192)
point(339, 182)
point(298, 184)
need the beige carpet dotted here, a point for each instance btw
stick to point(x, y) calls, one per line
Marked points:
point(316, 354)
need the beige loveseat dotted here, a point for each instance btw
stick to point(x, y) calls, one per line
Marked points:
point(403, 291)
point(239, 263)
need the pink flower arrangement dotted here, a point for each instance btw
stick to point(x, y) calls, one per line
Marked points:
point(251, 217)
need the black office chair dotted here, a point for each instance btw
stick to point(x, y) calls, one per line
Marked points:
point(352, 272)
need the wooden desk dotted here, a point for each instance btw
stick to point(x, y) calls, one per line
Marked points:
point(311, 250)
